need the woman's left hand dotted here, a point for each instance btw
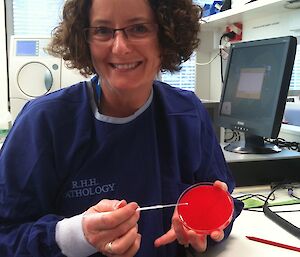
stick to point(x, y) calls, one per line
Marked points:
point(189, 237)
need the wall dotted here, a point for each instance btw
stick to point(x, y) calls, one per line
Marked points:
point(4, 114)
point(203, 56)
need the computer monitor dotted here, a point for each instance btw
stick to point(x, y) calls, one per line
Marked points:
point(255, 89)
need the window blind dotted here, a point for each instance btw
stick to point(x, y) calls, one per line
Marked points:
point(295, 80)
point(36, 17)
point(185, 78)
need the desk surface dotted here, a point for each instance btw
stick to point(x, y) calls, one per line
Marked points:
point(256, 224)
point(237, 157)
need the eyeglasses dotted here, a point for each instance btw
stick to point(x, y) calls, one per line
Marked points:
point(133, 32)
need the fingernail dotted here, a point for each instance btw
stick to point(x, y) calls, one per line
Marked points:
point(117, 205)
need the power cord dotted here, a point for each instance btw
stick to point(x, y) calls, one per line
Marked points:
point(291, 228)
point(262, 198)
point(229, 35)
point(280, 142)
point(206, 63)
point(248, 196)
point(291, 193)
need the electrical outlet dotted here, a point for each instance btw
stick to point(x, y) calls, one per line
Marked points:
point(225, 48)
point(224, 51)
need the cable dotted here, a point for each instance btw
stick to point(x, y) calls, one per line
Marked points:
point(291, 228)
point(229, 35)
point(258, 196)
point(291, 193)
point(280, 142)
point(290, 190)
point(206, 63)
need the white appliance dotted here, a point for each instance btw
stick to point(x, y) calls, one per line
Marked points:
point(33, 73)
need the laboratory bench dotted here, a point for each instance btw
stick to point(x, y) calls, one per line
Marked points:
point(256, 224)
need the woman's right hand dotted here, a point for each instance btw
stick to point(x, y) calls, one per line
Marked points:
point(111, 227)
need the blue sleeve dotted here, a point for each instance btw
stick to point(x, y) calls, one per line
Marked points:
point(28, 186)
point(213, 165)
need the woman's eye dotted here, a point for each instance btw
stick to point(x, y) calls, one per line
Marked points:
point(139, 28)
point(102, 31)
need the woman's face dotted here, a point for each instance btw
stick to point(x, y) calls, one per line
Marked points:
point(124, 65)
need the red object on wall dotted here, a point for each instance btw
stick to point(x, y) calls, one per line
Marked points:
point(237, 28)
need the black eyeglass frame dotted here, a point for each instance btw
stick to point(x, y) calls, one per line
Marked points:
point(124, 30)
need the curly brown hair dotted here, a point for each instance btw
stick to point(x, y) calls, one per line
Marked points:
point(178, 22)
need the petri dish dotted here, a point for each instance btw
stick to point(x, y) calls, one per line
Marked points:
point(205, 208)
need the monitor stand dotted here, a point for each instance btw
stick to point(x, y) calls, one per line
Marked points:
point(252, 145)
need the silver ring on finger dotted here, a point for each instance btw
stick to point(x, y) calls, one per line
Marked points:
point(109, 247)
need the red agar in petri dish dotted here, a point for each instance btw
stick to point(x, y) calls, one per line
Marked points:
point(208, 208)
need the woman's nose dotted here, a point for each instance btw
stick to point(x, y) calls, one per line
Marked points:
point(121, 45)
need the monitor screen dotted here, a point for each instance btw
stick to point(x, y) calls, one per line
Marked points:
point(255, 89)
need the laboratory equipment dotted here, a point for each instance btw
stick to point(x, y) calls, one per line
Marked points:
point(33, 72)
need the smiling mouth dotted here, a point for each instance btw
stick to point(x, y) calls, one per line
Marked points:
point(126, 66)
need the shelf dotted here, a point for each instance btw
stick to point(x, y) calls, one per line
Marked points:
point(249, 11)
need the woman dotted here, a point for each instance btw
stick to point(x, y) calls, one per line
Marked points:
point(91, 153)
